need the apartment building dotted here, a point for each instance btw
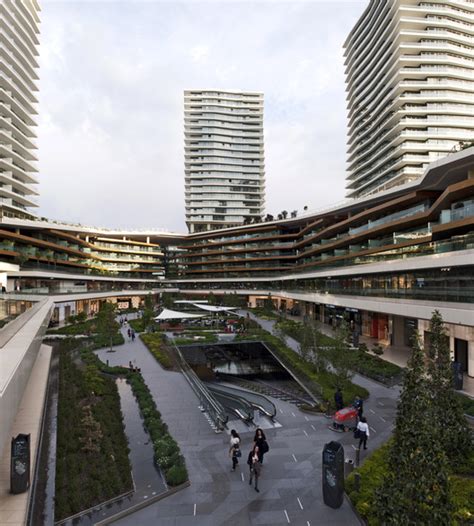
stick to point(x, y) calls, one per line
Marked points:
point(410, 85)
point(19, 28)
point(224, 158)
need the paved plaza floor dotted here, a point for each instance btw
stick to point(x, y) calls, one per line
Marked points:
point(290, 486)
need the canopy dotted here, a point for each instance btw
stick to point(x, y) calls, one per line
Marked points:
point(191, 302)
point(212, 308)
point(168, 314)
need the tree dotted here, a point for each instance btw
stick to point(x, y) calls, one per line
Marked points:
point(148, 312)
point(211, 298)
point(342, 358)
point(453, 430)
point(107, 327)
point(268, 304)
point(416, 490)
point(310, 347)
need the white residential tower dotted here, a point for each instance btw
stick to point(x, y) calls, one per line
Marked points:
point(410, 89)
point(19, 28)
point(224, 158)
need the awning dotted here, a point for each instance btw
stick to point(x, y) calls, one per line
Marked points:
point(168, 314)
point(212, 308)
point(191, 302)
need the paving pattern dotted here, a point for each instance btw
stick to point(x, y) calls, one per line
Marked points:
point(291, 478)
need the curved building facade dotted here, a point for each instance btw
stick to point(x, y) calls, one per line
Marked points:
point(19, 28)
point(224, 158)
point(410, 85)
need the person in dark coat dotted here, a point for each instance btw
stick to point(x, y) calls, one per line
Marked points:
point(338, 399)
point(359, 405)
point(260, 441)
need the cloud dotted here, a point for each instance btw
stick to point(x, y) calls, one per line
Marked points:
point(111, 137)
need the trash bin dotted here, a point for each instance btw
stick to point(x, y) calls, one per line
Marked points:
point(348, 467)
point(333, 474)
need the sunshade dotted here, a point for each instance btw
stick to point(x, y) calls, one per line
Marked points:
point(168, 314)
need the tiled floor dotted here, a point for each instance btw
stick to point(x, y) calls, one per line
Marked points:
point(291, 480)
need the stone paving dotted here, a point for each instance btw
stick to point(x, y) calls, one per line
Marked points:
point(291, 479)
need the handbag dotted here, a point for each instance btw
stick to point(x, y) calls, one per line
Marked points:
point(237, 452)
point(357, 433)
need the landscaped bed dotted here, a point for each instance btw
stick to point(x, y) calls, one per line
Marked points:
point(364, 363)
point(155, 344)
point(92, 462)
point(374, 469)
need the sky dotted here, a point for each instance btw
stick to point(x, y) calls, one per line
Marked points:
point(111, 109)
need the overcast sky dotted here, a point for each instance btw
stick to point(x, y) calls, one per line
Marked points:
point(111, 138)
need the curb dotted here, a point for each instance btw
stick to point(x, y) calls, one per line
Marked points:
point(141, 505)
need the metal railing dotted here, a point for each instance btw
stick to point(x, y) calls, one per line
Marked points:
point(207, 401)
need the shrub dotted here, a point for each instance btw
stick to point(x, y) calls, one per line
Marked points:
point(155, 346)
point(177, 474)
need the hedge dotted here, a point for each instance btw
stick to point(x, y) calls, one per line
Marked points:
point(375, 468)
point(467, 404)
point(154, 343)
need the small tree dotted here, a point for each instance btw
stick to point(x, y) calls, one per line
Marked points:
point(310, 347)
point(81, 317)
point(416, 489)
point(148, 312)
point(107, 327)
point(211, 298)
point(268, 304)
point(452, 429)
point(341, 357)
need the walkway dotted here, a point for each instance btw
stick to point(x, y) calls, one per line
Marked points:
point(290, 485)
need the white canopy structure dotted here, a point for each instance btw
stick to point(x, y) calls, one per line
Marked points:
point(191, 302)
point(212, 308)
point(168, 314)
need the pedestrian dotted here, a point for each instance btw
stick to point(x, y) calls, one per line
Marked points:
point(338, 399)
point(359, 405)
point(255, 467)
point(234, 450)
point(260, 440)
point(129, 332)
point(362, 432)
point(133, 335)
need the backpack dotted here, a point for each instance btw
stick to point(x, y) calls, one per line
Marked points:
point(265, 447)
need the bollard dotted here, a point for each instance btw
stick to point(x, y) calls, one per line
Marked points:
point(357, 481)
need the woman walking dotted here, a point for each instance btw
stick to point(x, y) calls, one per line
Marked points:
point(260, 441)
point(234, 450)
point(255, 467)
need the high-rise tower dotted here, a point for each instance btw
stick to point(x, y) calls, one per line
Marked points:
point(410, 89)
point(224, 158)
point(19, 28)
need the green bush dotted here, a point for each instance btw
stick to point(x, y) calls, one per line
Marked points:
point(374, 470)
point(365, 364)
point(467, 404)
point(155, 345)
point(90, 433)
point(177, 474)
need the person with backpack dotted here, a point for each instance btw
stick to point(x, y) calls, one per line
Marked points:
point(260, 441)
point(234, 450)
point(255, 467)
